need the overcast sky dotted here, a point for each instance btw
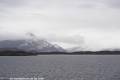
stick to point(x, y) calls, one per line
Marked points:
point(92, 24)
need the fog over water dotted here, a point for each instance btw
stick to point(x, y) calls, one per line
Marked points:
point(90, 24)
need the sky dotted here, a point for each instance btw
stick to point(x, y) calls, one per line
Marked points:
point(88, 24)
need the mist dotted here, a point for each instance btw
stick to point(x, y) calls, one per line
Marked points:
point(90, 24)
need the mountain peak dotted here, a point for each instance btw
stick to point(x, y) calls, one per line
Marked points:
point(32, 43)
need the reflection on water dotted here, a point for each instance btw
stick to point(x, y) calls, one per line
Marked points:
point(34, 78)
point(62, 67)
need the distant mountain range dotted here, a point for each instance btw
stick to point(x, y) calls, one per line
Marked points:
point(31, 44)
point(34, 46)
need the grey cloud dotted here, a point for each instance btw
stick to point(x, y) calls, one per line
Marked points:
point(61, 3)
point(11, 2)
point(99, 3)
point(114, 3)
point(75, 39)
point(62, 17)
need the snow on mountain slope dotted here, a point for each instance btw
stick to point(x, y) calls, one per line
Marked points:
point(30, 44)
point(76, 49)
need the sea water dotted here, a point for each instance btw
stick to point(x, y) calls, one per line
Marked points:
point(61, 67)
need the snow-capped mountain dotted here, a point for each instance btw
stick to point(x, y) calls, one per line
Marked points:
point(30, 44)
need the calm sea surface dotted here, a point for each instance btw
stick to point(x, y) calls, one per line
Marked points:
point(62, 67)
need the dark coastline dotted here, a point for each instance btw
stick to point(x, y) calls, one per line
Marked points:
point(24, 53)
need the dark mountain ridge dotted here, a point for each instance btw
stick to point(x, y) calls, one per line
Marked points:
point(29, 45)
